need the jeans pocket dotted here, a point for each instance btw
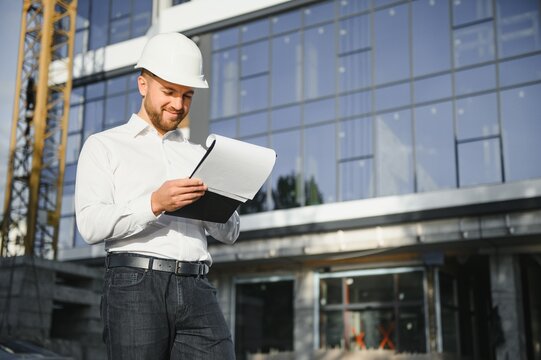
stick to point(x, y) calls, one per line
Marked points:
point(124, 277)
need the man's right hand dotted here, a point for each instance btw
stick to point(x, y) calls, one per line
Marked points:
point(175, 194)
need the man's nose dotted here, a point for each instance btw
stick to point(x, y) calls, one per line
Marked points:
point(177, 102)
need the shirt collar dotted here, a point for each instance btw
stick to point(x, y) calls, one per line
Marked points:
point(138, 126)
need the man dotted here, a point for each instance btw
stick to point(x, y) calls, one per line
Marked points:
point(157, 302)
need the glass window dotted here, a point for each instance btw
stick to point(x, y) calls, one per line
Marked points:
point(120, 8)
point(477, 117)
point(520, 109)
point(435, 147)
point(116, 85)
point(68, 202)
point(520, 70)
point(93, 121)
point(73, 147)
point(69, 173)
point(355, 137)
point(255, 30)
point(469, 11)
point(65, 232)
point(254, 58)
point(355, 104)
point(354, 34)
point(319, 62)
point(225, 86)
point(370, 289)
point(286, 117)
point(134, 102)
point(391, 43)
point(286, 22)
point(330, 291)
point(474, 44)
point(319, 13)
point(355, 71)
point(253, 124)
point(410, 286)
point(430, 27)
point(142, 16)
point(254, 93)
point(75, 121)
point(318, 111)
point(320, 164)
point(225, 38)
point(346, 7)
point(286, 65)
point(479, 162)
point(433, 88)
point(394, 153)
point(83, 14)
point(394, 96)
point(474, 80)
point(99, 24)
point(356, 179)
point(115, 110)
point(519, 28)
point(227, 127)
point(77, 95)
point(95, 90)
point(286, 189)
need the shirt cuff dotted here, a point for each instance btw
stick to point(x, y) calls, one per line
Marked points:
point(142, 209)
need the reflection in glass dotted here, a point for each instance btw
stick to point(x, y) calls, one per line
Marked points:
point(479, 162)
point(319, 164)
point(475, 80)
point(394, 154)
point(430, 27)
point(99, 19)
point(319, 60)
point(73, 147)
point(75, 121)
point(286, 22)
point(318, 111)
point(370, 288)
point(255, 30)
point(93, 118)
point(520, 70)
point(519, 28)
point(254, 58)
point(356, 179)
point(319, 13)
point(354, 71)
point(393, 96)
point(391, 50)
point(355, 137)
point(68, 203)
point(65, 232)
point(354, 33)
point(470, 11)
point(520, 109)
point(434, 147)
point(355, 104)
point(254, 93)
point(286, 69)
point(330, 291)
point(225, 38)
point(224, 86)
point(226, 127)
point(432, 88)
point(474, 44)
point(115, 110)
point(253, 124)
point(286, 117)
point(477, 117)
point(286, 181)
point(351, 7)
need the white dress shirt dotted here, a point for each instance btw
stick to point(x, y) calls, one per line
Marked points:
point(117, 172)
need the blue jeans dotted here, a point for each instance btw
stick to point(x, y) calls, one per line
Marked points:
point(155, 315)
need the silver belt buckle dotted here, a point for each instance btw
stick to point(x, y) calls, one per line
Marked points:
point(178, 265)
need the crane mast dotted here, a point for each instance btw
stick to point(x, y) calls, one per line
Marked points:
point(34, 185)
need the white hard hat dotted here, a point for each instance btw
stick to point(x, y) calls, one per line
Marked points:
point(174, 58)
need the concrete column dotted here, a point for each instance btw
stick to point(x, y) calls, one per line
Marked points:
point(304, 315)
point(506, 292)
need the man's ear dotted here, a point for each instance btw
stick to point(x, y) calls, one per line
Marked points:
point(142, 84)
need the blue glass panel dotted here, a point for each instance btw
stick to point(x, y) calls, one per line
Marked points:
point(355, 137)
point(286, 172)
point(81, 42)
point(227, 127)
point(319, 62)
point(75, 122)
point(391, 49)
point(380, 3)
point(477, 116)
point(93, 120)
point(355, 104)
point(73, 147)
point(430, 27)
point(356, 179)
point(519, 28)
point(99, 24)
point(286, 69)
point(520, 109)
point(224, 86)
point(392, 96)
point(253, 124)
point(394, 160)
point(355, 71)
point(115, 110)
point(116, 85)
point(254, 58)
point(286, 22)
point(120, 8)
point(77, 95)
point(468, 11)
point(119, 30)
point(354, 34)
point(142, 16)
point(225, 38)
point(435, 147)
point(286, 117)
point(319, 13)
point(474, 44)
point(68, 205)
point(83, 14)
point(479, 162)
point(255, 30)
point(95, 90)
point(320, 164)
point(346, 7)
point(254, 93)
point(433, 88)
point(134, 103)
point(318, 111)
point(69, 173)
point(474, 80)
point(65, 232)
point(520, 70)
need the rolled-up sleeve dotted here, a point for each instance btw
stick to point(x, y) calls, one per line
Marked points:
point(227, 232)
point(98, 216)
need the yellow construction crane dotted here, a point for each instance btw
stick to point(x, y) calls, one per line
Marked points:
point(35, 175)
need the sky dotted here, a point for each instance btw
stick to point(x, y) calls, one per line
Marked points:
point(10, 17)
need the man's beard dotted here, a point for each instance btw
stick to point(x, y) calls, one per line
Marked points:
point(156, 118)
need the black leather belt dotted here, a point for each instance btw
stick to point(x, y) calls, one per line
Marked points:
point(149, 263)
